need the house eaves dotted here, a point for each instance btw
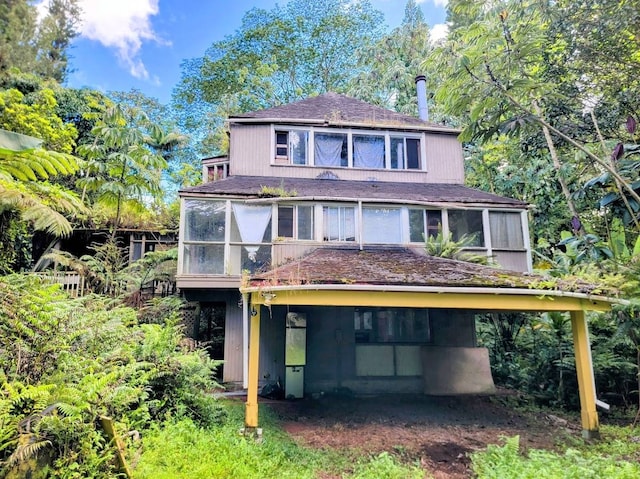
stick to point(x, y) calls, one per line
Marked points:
point(342, 275)
point(298, 189)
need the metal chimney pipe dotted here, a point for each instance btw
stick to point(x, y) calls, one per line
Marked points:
point(421, 87)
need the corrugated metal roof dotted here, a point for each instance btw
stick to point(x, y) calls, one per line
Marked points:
point(252, 187)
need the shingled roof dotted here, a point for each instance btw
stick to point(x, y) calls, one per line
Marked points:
point(403, 267)
point(253, 186)
point(336, 108)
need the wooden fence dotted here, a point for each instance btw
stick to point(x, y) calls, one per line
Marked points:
point(76, 285)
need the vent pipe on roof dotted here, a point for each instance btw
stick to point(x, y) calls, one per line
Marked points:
point(421, 87)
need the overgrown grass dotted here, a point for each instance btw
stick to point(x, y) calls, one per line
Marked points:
point(617, 456)
point(183, 450)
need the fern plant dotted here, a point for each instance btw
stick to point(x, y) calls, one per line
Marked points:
point(444, 246)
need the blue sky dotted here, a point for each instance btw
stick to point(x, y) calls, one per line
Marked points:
point(140, 44)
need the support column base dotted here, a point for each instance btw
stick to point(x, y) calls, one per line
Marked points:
point(591, 435)
point(252, 432)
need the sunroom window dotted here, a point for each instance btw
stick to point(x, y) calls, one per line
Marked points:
point(424, 224)
point(204, 234)
point(506, 230)
point(466, 223)
point(381, 225)
point(339, 223)
point(295, 221)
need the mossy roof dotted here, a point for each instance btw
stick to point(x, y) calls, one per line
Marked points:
point(405, 267)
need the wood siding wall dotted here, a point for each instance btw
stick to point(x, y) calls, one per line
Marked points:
point(251, 154)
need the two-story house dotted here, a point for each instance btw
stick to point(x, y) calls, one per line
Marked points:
point(316, 223)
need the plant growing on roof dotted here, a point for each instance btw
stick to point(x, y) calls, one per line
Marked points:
point(444, 246)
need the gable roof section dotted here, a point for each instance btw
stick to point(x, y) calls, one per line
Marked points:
point(331, 189)
point(336, 108)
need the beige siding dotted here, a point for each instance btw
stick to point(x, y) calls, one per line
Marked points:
point(511, 260)
point(444, 159)
point(251, 155)
point(250, 150)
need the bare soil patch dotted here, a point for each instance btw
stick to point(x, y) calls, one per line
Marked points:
point(439, 432)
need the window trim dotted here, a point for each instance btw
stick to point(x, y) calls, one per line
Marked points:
point(350, 132)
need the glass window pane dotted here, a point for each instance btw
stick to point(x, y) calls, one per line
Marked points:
point(330, 149)
point(298, 141)
point(506, 230)
point(339, 223)
point(413, 153)
point(434, 223)
point(305, 222)
point(381, 225)
point(203, 259)
point(466, 222)
point(285, 221)
point(204, 220)
point(397, 153)
point(416, 226)
point(368, 151)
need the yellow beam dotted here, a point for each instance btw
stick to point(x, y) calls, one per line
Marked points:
point(584, 370)
point(251, 410)
point(484, 301)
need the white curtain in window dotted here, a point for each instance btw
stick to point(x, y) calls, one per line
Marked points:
point(381, 225)
point(368, 152)
point(506, 230)
point(252, 221)
point(328, 149)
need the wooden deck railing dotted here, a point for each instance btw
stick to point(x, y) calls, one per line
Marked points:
point(76, 285)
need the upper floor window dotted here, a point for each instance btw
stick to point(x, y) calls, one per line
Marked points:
point(506, 230)
point(295, 221)
point(405, 153)
point(293, 145)
point(349, 148)
point(424, 224)
point(339, 223)
point(368, 151)
point(331, 149)
point(467, 223)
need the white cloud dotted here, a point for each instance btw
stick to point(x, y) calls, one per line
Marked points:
point(123, 25)
point(437, 3)
point(438, 32)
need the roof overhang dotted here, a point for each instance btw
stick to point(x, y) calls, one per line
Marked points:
point(471, 298)
point(348, 124)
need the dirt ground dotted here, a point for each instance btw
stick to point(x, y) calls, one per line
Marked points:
point(439, 432)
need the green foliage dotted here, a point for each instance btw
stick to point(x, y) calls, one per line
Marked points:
point(505, 461)
point(275, 57)
point(123, 167)
point(384, 465)
point(38, 46)
point(182, 449)
point(64, 363)
point(443, 246)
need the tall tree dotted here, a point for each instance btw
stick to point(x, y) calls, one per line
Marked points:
point(53, 38)
point(508, 70)
point(122, 169)
point(40, 48)
point(276, 56)
point(390, 66)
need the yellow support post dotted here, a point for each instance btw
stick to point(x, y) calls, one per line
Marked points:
point(584, 370)
point(251, 408)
